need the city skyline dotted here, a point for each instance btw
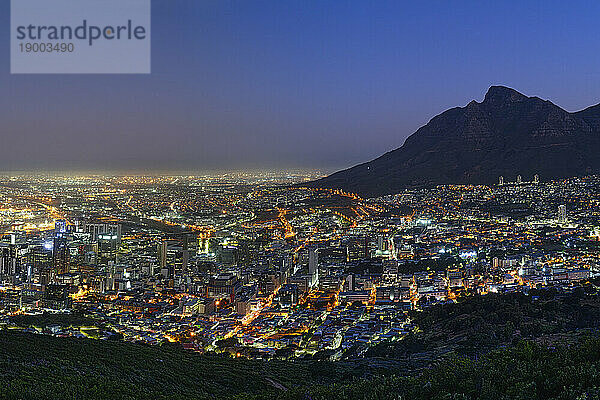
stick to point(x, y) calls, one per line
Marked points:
point(292, 200)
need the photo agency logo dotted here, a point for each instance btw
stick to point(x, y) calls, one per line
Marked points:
point(80, 36)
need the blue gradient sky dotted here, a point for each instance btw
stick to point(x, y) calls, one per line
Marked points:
point(280, 83)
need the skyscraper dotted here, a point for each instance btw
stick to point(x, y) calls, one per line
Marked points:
point(162, 254)
point(8, 261)
point(60, 254)
point(313, 266)
point(108, 247)
point(41, 259)
point(562, 213)
point(381, 243)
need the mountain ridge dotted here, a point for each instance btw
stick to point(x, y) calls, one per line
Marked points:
point(507, 134)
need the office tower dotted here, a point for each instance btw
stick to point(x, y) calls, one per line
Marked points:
point(42, 261)
point(313, 266)
point(350, 282)
point(108, 247)
point(60, 254)
point(562, 213)
point(162, 254)
point(501, 180)
point(185, 257)
point(8, 261)
point(536, 178)
point(382, 243)
point(203, 243)
point(519, 179)
point(60, 226)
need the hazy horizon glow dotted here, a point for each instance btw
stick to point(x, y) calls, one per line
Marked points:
point(312, 84)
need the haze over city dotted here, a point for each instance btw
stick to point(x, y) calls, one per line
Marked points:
point(266, 84)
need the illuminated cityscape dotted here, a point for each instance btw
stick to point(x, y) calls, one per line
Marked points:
point(260, 267)
point(299, 200)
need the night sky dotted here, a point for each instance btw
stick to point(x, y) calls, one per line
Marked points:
point(282, 83)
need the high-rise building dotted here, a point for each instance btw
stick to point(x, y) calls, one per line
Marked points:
point(562, 213)
point(41, 260)
point(350, 282)
point(536, 178)
point(162, 254)
point(382, 243)
point(108, 247)
point(8, 261)
point(60, 226)
point(501, 181)
point(203, 243)
point(313, 266)
point(60, 254)
point(185, 256)
point(519, 179)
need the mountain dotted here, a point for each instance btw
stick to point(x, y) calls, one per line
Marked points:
point(507, 134)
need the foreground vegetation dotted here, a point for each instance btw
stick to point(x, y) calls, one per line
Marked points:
point(479, 324)
point(42, 367)
point(45, 367)
point(528, 371)
point(543, 346)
